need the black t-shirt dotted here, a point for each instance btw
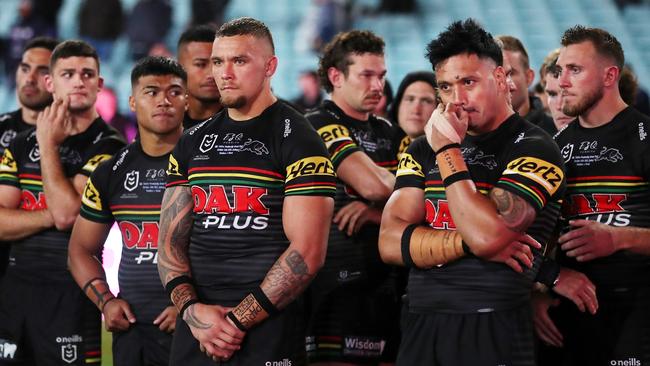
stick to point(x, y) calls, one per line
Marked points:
point(239, 173)
point(353, 258)
point(128, 189)
point(608, 180)
point(43, 256)
point(517, 157)
point(11, 124)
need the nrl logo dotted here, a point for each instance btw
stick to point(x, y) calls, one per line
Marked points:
point(35, 154)
point(132, 180)
point(69, 353)
point(6, 138)
point(567, 152)
point(208, 142)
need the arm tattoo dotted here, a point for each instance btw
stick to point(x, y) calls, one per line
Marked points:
point(98, 292)
point(288, 277)
point(447, 158)
point(193, 321)
point(515, 212)
point(174, 236)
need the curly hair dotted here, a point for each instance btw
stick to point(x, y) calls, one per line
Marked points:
point(337, 52)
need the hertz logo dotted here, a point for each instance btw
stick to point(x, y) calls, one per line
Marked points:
point(408, 166)
point(334, 133)
point(8, 164)
point(172, 168)
point(94, 161)
point(91, 196)
point(547, 174)
point(313, 165)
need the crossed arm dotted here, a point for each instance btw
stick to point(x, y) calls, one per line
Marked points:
point(18, 223)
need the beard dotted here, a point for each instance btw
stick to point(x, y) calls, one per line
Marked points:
point(36, 104)
point(585, 103)
point(235, 103)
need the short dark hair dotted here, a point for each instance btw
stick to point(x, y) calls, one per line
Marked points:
point(604, 42)
point(513, 44)
point(463, 37)
point(201, 33)
point(157, 65)
point(628, 85)
point(48, 43)
point(74, 48)
point(337, 52)
point(246, 26)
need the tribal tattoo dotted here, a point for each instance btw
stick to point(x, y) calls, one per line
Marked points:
point(98, 292)
point(514, 210)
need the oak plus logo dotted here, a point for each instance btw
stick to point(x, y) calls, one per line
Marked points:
point(131, 180)
point(245, 211)
point(438, 215)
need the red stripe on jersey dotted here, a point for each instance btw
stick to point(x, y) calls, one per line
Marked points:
point(331, 184)
point(607, 178)
point(34, 176)
point(117, 207)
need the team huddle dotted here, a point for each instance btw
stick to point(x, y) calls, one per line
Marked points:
point(466, 228)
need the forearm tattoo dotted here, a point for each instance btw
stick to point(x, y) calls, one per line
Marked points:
point(448, 160)
point(514, 210)
point(98, 292)
point(248, 310)
point(288, 277)
point(174, 236)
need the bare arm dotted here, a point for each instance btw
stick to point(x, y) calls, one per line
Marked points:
point(404, 207)
point(588, 240)
point(86, 242)
point(18, 223)
point(371, 181)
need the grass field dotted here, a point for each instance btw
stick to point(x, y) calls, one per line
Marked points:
point(107, 354)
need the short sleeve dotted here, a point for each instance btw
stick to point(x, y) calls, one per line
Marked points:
point(101, 151)
point(336, 136)
point(410, 172)
point(534, 171)
point(9, 168)
point(94, 201)
point(308, 168)
point(177, 168)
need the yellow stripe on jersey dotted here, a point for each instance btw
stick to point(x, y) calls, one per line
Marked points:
point(409, 166)
point(313, 165)
point(334, 133)
point(230, 175)
point(548, 175)
point(8, 163)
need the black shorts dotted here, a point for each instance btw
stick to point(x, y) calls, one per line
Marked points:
point(500, 338)
point(277, 341)
point(618, 334)
point(353, 324)
point(140, 345)
point(47, 324)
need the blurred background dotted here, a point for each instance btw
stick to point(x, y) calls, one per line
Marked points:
point(124, 30)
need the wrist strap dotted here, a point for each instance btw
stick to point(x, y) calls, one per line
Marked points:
point(236, 321)
point(447, 147)
point(548, 272)
point(187, 305)
point(264, 301)
point(464, 175)
point(406, 246)
point(106, 303)
point(175, 282)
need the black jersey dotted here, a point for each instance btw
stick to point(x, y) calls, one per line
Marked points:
point(189, 122)
point(128, 189)
point(11, 124)
point(517, 157)
point(239, 173)
point(356, 257)
point(537, 116)
point(43, 256)
point(608, 180)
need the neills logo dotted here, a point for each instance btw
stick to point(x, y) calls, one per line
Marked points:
point(629, 362)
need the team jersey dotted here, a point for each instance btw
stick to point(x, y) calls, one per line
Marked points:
point(353, 258)
point(517, 157)
point(239, 173)
point(43, 256)
point(128, 190)
point(189, 122)
point(401, 140)
point(11, 124)
point(608, 175)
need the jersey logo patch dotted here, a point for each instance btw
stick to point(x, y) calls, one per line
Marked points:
point(567, 152)
point(408, 166)
point(313, 165)
point(208, 142)
point(8, 164)
point(94, 162)
point(131, 180)
point(172, 167)
point(69, 353)
point(6, 138)
point(334, 133)
point(34, 154)
point(546, 174)
point(403, 145)
point(90, 197)
point(254, 146)
point(609, 154)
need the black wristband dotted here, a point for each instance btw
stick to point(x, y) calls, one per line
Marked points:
point(236, 321)
point(187, 305)
point(406, 246)
point(458, 176)
point(264, 301)
point(447, 147)
point(175, 282)
point(548, 272)
point(466, 249)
